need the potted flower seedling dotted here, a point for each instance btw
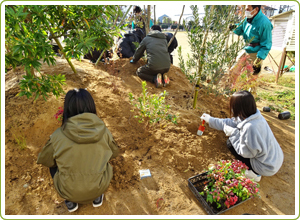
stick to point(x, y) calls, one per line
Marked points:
point(224, 185)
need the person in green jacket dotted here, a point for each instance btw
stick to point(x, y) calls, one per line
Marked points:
point(158, 58)
point(256, 30)
point(79, 151)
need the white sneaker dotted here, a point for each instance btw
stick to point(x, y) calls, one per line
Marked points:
point(251, 175)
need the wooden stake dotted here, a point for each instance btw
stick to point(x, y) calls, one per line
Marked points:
point(282, 61)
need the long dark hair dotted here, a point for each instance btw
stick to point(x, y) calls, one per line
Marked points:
point(78, 101)
point(242, 104)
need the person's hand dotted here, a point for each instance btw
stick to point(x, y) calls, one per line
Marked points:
point(131, 61)
point(231, 27)
point(257, 62)
point(205, 117)
point(257, 66)
point(228, 130)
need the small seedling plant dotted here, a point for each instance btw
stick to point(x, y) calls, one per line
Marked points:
point(226, 184)
point(152, 107)
point(20, 139)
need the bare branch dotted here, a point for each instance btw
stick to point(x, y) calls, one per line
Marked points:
point(177, 27)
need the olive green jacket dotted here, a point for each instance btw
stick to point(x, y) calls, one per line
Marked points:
point(81, 149)
point(156, 46)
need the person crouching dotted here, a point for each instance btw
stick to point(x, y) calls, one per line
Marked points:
point(158, 58)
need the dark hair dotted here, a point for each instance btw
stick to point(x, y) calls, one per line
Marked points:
point(256, 6)
point(137, 9)
point(156, 27)
point(78, 102)
point(242, 104)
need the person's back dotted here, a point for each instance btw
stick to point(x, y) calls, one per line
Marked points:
point(126, 47)
point(79, 151)
point(158, 59)
point(172, 46)
point(156, 47)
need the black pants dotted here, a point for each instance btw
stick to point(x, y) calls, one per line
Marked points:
point(148, 74)
point(53, 170)
point(239, 157)
point(171, 58)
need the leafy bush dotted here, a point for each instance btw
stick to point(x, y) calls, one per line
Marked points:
point(43, 85)
point(241, 78)
point(208, 39)
point(29, 29)
point(152, 107)
point(227, 184)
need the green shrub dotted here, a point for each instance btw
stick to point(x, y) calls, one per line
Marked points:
point(152, 107)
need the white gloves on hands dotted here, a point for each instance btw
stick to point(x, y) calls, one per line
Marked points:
point(228, 130)
point(205, 117)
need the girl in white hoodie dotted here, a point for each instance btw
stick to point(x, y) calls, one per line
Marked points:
point(250, 137)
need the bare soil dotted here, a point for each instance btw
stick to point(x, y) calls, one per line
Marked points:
point(173, 153)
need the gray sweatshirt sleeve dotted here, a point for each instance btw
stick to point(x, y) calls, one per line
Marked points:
point(218, 123)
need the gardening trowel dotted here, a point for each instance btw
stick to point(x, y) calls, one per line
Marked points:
point(201, 129)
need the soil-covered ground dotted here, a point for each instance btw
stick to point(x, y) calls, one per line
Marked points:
point(173, 153)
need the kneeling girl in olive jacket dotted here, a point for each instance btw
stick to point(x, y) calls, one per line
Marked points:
point(80, 151)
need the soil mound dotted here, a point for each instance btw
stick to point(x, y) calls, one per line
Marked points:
point(173, 153)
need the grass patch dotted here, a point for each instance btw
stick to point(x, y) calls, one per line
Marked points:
point(282, 81)
point(280, 101)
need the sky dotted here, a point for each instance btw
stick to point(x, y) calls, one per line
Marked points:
point(173, 8)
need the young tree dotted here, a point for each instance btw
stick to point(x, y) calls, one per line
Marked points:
point(29, 29)
point(207, 38)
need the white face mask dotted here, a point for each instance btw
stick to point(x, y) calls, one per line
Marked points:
point(248, 14)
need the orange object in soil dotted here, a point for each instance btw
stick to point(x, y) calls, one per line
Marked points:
point(201, 129)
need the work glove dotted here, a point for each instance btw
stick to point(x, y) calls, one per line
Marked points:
point(257, 66)
point(205, 117)
point(228, 130)
point(131, 61)
point(231, 27)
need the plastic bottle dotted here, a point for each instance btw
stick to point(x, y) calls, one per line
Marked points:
point(284, 115)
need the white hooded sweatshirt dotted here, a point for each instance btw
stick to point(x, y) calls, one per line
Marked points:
point(253, 138)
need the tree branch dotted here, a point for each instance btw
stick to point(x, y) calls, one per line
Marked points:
point(177, 27)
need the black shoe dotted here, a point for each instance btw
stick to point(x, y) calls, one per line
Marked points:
point(98, 202)
point(72, 207)
point(158, 81)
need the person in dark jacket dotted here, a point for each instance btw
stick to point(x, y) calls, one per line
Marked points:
point(172, 46)
point(126, 47)
point(95, 54)
point(158, 59)
point(79, 151)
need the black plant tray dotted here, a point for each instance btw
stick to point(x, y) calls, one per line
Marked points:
point(196, 185)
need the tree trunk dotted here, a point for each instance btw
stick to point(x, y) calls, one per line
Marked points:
point(154, 15)
point(61, 50)
point(121, 22)
point(148, 19)
point(177, 27)
point(200, 61)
